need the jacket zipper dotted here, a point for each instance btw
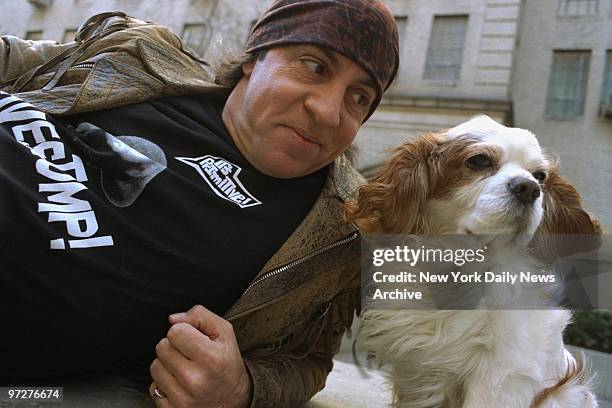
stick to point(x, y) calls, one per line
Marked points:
point(83, 65)
point(303, 259)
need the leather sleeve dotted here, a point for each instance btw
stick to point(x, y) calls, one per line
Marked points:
point(18, 56)
point(291, 378)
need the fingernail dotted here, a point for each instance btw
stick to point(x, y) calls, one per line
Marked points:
point(177, 316)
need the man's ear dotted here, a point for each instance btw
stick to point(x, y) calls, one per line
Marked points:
point(566, 228)
point(247, 68)
point(393, 202)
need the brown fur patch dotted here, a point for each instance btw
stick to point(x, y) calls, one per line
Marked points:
point(425, 168)
point(392, 202)
point(563, 217)
point(451, 169)
point(576, 373)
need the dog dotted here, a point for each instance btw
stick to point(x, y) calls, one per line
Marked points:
point(477, 178)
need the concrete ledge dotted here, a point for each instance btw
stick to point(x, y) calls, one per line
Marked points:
point(347, 386)
point(600, 365)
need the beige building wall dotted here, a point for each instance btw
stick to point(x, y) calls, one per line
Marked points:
point(584, 144)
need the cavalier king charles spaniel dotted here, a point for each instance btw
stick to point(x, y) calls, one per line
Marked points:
point(477, 178)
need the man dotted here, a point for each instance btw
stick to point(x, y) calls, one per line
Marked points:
point(230, 197)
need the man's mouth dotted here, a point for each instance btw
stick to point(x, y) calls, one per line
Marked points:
point(305, 136)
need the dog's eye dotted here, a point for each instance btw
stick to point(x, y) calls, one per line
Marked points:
point(480, 161)
point(539, 175)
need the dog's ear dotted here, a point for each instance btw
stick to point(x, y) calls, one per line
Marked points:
point(566, 228)
point(392, 202)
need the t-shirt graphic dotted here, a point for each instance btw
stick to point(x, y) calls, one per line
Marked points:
point(136, 161)
point(52, 179)
point(222, 177)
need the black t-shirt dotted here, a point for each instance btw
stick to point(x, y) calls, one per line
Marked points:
point(115, 219)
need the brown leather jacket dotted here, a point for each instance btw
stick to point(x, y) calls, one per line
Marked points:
point(290, 320)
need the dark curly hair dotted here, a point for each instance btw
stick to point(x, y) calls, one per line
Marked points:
point(228, 70)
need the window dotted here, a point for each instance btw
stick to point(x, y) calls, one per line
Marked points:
point(251, 27)
point(567, 83)
point(578, 7)
point(195, 37)
point(445, 49)
point(401, 22)
point(606, 91)
point(34, 35)
point(69, 35)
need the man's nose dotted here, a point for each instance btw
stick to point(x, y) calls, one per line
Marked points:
point(325, 106)
point(527, 191)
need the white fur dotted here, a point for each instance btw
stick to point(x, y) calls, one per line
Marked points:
point(487, 359)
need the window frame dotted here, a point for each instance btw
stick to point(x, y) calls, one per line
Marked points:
point(564, 5)
point(582, 79)
point(34, 35)
point(200, 50)
point(432, 48)
point(72, 32)
point(606, 87)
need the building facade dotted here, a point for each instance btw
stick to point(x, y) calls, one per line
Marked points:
point(562, 89)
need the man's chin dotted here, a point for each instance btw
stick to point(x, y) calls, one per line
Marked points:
point(284, 166)
point(282, 170)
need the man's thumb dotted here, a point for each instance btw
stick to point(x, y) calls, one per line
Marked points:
point(178, 318)
point(202, 319)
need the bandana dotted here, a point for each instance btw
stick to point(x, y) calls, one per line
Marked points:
point(361, 30)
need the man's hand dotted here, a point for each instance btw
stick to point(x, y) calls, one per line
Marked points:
point(199, 365)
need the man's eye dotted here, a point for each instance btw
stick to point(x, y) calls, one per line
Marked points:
point(361, 99)
point(315, 67)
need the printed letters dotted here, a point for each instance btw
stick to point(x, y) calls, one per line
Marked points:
point(65, 178)
point(222, 177)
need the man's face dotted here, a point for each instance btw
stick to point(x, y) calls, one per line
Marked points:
point(297, 109)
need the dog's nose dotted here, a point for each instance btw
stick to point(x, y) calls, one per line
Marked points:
point(524, 189)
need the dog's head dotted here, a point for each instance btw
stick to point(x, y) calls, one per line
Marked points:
point(479, 177)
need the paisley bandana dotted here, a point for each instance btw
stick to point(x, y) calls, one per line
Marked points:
point(361, 30)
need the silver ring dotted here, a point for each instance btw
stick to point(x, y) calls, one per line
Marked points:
point(158, 392)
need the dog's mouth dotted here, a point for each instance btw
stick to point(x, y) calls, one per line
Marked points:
point(512, 224)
